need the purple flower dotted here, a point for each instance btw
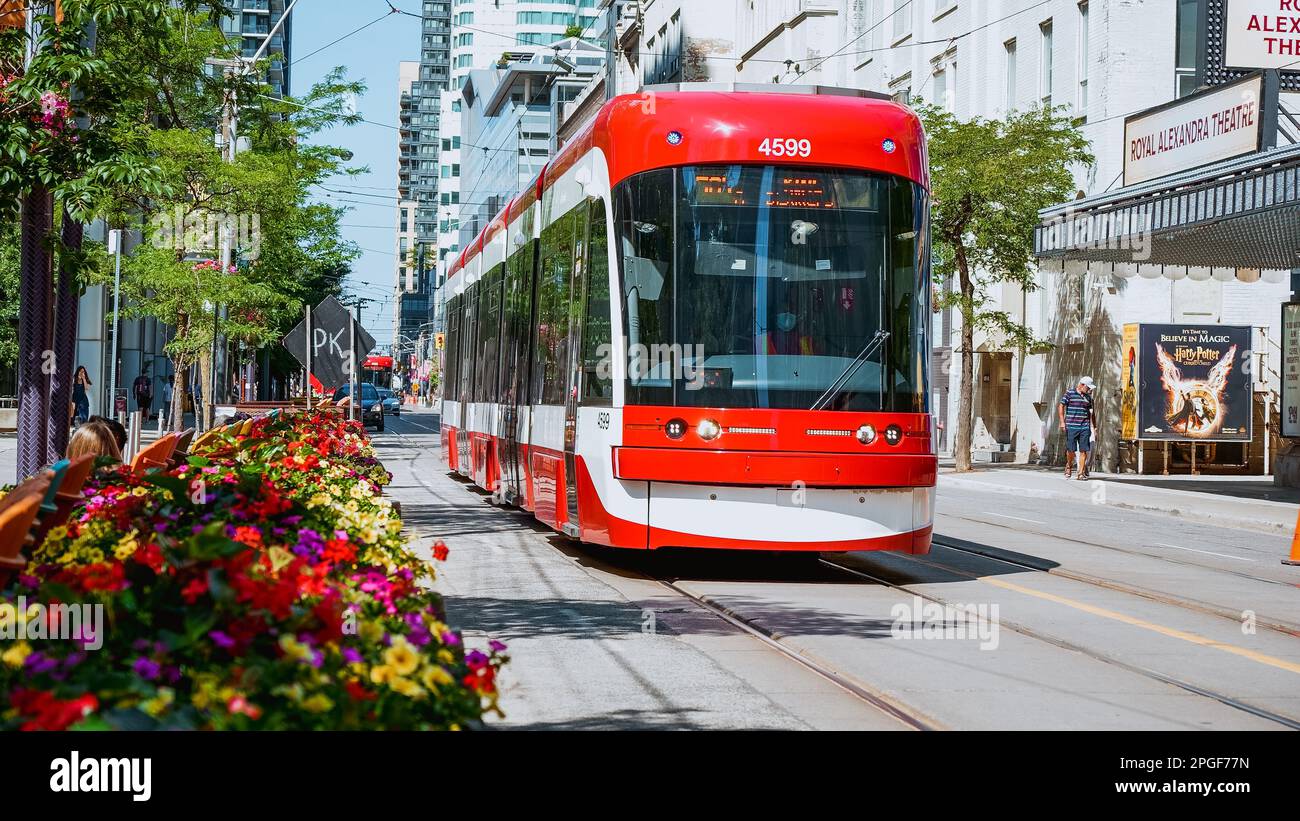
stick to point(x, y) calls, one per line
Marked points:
point(450, 639)
point(222, 639)
point(496, 646)
point(146, 668)
point(475, 660)
point(38, 663)
point(351, 656)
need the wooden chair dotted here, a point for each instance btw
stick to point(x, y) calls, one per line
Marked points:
point(16, 521)
point(156, 455)
point(66, 495)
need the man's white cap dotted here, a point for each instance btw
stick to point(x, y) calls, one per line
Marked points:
point(1087, 380)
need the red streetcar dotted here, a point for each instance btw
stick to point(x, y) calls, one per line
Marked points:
point(706, 324)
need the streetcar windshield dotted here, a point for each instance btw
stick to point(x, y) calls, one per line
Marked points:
point(760, 286)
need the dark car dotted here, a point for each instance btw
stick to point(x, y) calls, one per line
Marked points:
point(392, 403)
point(372, 407)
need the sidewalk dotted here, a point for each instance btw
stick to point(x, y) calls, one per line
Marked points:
point(1244, 502)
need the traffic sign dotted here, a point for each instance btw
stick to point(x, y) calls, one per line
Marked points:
point(331, 356)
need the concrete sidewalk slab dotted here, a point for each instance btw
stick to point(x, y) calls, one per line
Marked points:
point(1219, 509)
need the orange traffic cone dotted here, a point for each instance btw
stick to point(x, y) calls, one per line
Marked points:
point(1295, 546)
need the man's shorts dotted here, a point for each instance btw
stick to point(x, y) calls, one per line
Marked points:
point(1078, 439)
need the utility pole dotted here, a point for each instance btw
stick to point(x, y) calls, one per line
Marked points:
point(229, 128)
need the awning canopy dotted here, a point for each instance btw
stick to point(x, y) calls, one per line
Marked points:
point(1241, 214)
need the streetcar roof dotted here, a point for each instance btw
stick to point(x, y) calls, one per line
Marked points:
point(843, 128)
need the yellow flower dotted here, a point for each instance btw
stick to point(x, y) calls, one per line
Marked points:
point(402, 657)
point(139, 491)
point(406, 687)
point(16, 655)
point(445, 656)
point(381, 674)
point(434, 677)
point(127, 545)
point(318, 703)
point(159, 703)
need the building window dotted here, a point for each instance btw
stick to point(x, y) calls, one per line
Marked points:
point(940, 6)
point(1010, 59)
point(942, 93)
point(1045, 64)
point(902, 14)
point(1187, 53)
point(1083, 59)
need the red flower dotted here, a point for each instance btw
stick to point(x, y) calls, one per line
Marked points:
point(45, 712)
point(358, 692)
point(440, 551)
point(250, 536)
point(196, 587)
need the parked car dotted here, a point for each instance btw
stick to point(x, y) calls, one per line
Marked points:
point(392, 403)
point(372, 407)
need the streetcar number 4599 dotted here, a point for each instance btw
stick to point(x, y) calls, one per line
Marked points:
point(785, 147)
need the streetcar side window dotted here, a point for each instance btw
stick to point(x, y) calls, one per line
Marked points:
point(597, 338)
point(470, 339)
point(551, 363)
point(909, 298)
point(644, 233)
point(453, 347)
point(485, 389)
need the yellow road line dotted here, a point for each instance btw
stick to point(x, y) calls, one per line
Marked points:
point(1261, 658)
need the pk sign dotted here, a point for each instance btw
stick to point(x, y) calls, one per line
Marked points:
point(331, 355)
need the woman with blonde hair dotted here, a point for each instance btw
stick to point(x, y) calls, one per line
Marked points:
point(94, 438)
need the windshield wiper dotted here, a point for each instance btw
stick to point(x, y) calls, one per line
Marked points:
point(843, 378)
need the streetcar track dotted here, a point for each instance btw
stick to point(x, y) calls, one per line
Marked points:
point(971, 549)
point(909, 716)
point(1228, 701)
point(1156, 556)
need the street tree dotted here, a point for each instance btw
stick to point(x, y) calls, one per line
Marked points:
point(989, 180)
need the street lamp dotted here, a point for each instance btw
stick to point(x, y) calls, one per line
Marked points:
point(115, 248)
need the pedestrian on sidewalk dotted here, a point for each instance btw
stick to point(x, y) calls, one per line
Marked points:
point(81, 395)
point(1077, 421)
point(166, 410)
point(143, 389)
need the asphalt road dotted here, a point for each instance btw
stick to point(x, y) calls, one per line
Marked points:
point(1058, 616)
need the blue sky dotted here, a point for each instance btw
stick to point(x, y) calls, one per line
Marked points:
point(371, 56)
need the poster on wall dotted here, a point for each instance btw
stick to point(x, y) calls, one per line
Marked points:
point(1193, 385)
point(1291, 369)
point(1128, 378)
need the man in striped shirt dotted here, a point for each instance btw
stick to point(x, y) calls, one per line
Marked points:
point(1077, 421)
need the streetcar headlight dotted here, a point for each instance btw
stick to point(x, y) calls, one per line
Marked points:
point(708, 430)
point(866, 434)
point(675, 429)
point(893, 434)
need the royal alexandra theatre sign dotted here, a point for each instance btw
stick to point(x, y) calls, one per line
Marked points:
point(1200, 129)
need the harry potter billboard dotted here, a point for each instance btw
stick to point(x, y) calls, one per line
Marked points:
point(1193, 383)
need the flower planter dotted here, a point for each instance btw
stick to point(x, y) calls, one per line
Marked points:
point(263, 583)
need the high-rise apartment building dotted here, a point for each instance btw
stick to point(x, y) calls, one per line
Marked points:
point(252, 22)
point(486, 35)
point(405, 274)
